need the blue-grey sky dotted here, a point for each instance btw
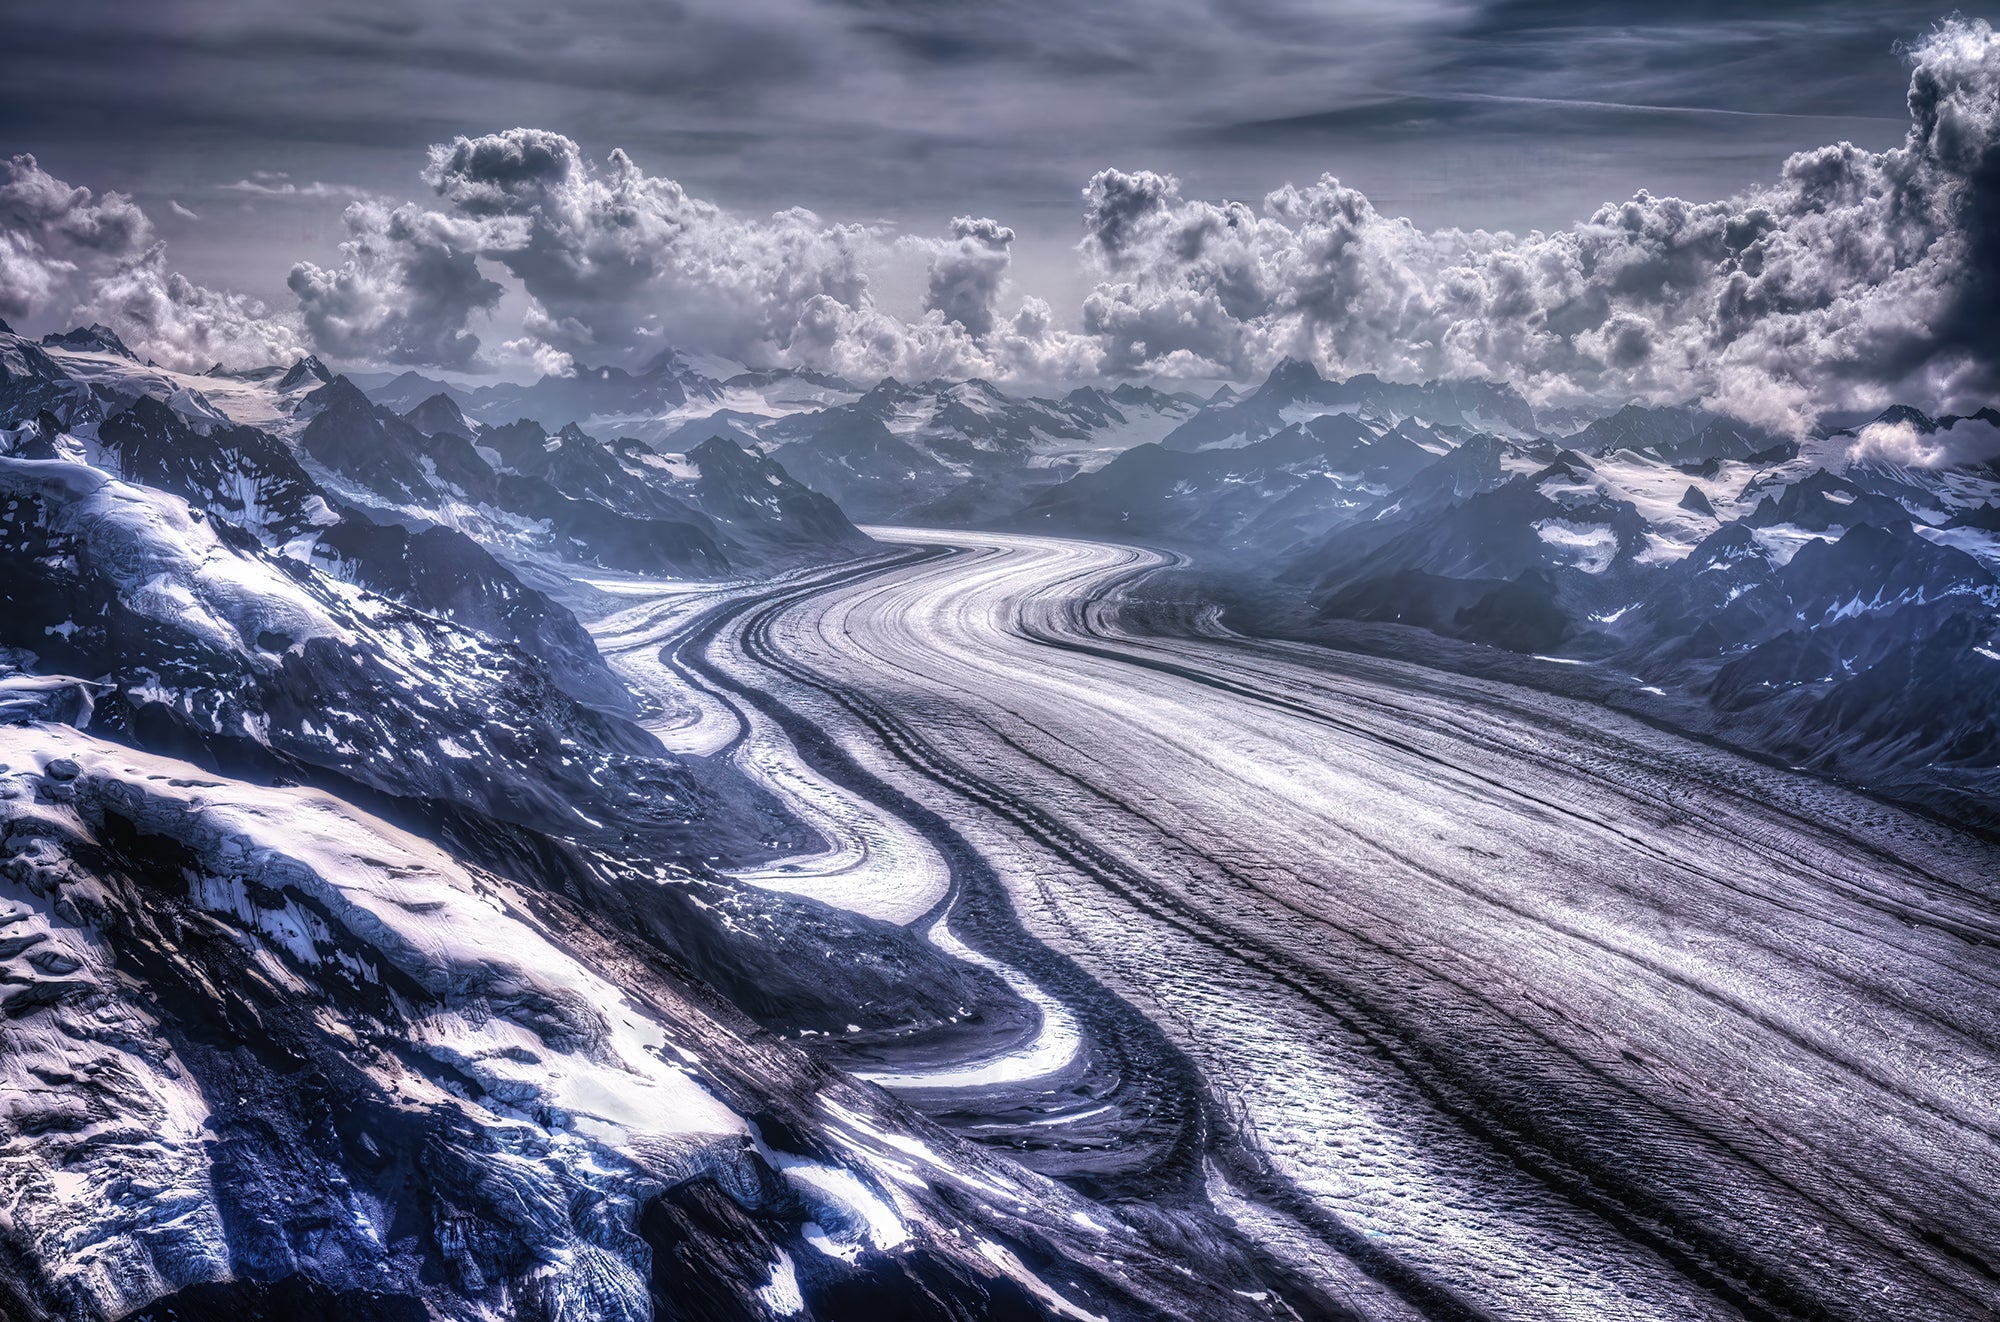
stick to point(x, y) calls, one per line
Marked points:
point(1514, 114)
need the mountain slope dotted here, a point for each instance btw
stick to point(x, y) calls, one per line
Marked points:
point(398, 468)
point(249, 479)
point(274, 1055)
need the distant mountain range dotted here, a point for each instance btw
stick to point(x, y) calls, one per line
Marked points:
point(1446, 506)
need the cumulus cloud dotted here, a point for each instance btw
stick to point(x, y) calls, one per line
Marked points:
point(1852, 279)
point(165, 316)
point(617, 259)
point(1029, 346)
point(1907, 443)
point(30, 279)
point(55, 238)
point(612, 260)
point(68, 252)
point(1856, 277)
point(407, 285)
point(527, 351)
point(863, 342)
point(966, 273)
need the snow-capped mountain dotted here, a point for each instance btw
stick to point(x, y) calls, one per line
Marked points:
point(1676, 435)
point(671, 391)
point(378, 459)
point(252, 481)
point(94, 338)
point(1295, 392)
point(962, 451)
point(566, 498)
point(238, 473)
point(1295, 483)
point(85, 375)
point(1658, 540)
point(414, 509)
point(32, 382)
point(937, 450)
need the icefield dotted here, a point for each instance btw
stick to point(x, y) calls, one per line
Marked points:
point(1505, 1006)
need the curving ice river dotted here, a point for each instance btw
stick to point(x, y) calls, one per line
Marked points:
point(1470, 1000)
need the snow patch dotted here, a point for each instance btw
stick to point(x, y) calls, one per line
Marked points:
point(781, 1293)
point(1590, 547)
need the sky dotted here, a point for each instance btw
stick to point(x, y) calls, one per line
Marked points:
point(245, 131)
point(1499, 115)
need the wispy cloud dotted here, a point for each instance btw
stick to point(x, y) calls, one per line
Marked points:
point(277, 183)
point(1581, 103)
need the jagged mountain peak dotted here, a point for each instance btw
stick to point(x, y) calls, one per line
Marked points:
point(719, 448)
point(94, 338)
point(413, 386)
point(439, 413)
point(887, 391)
point(301, 373)
point(1638, 427)
point(522, 441)
point(1291, 376)
point(152, 414)
point(1823, 500)
point(1907, 415)
point(342, 394)
point(693, 368)
point(1127, 392)
point(1727, 545)
point(1985, 517)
